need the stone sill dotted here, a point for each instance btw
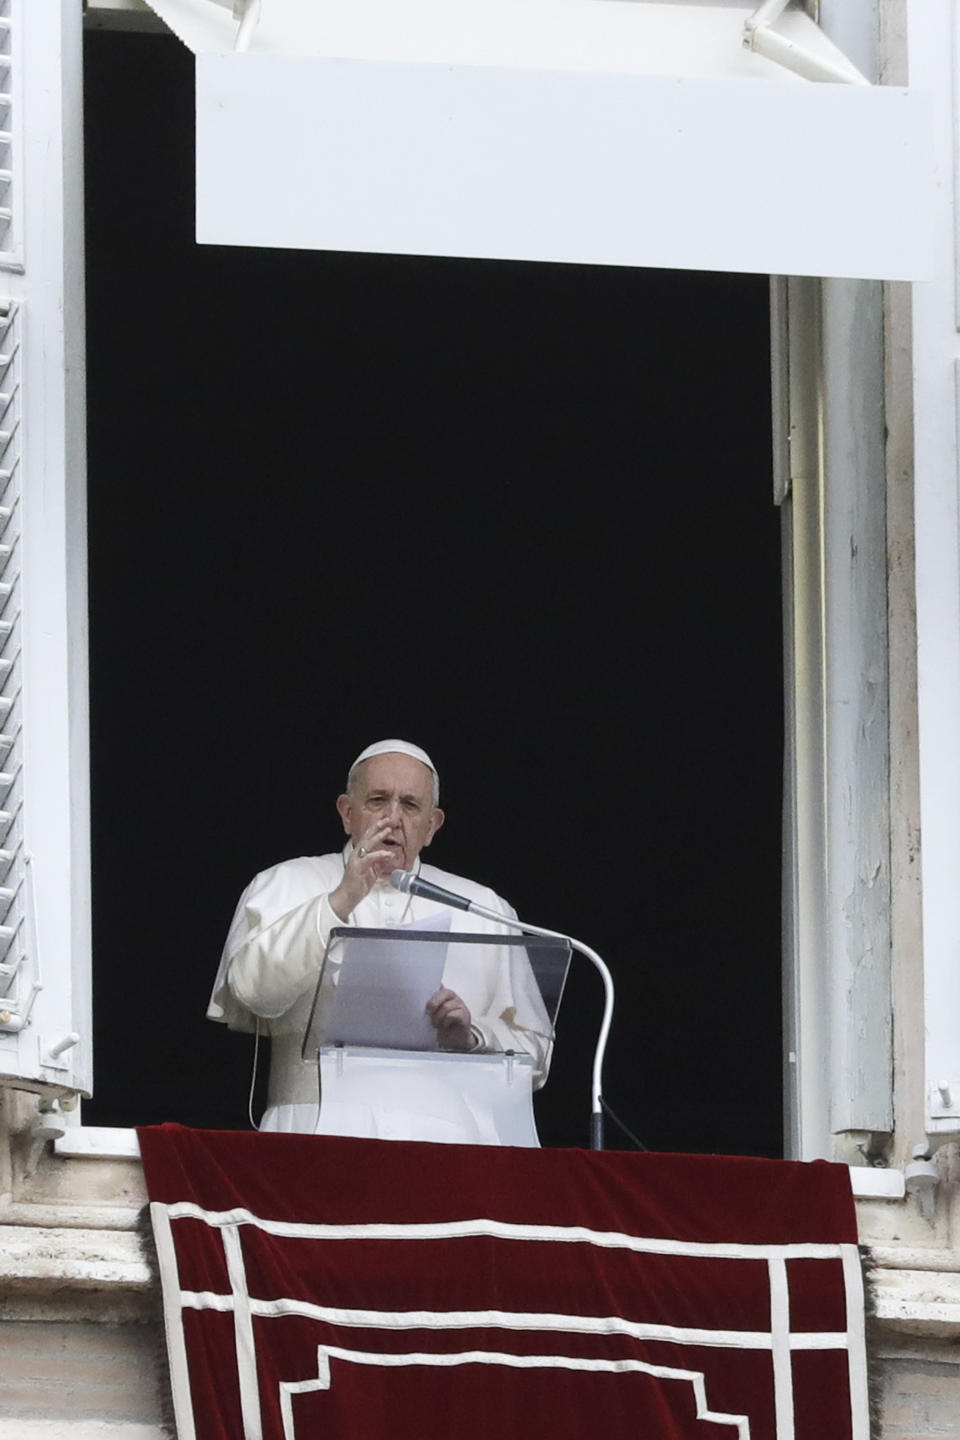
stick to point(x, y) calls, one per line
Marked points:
point(24, 1429)
point(99, 1142)
point(920, 1301)
point(91, 1141)
point(58, 1257)
point(872, 1183)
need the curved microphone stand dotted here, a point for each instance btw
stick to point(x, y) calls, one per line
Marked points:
point(412, 884)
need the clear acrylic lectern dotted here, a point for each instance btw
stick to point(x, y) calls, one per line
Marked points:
point(382, 1072)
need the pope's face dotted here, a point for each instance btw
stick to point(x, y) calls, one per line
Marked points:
point(391, 801)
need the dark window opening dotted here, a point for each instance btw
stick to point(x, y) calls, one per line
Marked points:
point(520, 514)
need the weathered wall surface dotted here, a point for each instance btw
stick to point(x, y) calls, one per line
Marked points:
point(80, 1328)
point(80, 1374)
point(921, 1391)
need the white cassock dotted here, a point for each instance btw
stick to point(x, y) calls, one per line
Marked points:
point(275, 949)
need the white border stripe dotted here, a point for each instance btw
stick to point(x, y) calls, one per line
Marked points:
point(289, 1388)
point(173, 1321)
point(780, 1341)
point(504, 1230)
point(491, 1319)
point(515, 1320)
point(857, 1347)
point(782, 1360)
point(243, 1336)
point(695, 1378)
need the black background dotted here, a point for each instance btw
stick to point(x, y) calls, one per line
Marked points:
point(519, 514)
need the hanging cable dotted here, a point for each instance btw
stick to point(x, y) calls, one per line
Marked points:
point(253, 1076)
point(625, 1128)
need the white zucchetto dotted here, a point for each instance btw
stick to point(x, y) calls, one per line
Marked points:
point(396, 747)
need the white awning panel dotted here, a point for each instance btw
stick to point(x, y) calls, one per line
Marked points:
point(650, 37)
point(592, 131)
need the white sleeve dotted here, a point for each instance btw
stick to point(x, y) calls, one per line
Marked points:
point(275, 947)
point(276, 961)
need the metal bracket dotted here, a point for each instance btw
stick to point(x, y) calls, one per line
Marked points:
point(51, 1059)
point(760, 37)
point(944, 1100)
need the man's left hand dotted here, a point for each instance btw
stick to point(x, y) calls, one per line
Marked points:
point(451, 1020)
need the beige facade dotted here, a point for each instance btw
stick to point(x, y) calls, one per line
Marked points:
point(79, 1315)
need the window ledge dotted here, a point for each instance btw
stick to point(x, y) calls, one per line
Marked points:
point(94, 1141)
point(871, 1183)
point(97, 1142)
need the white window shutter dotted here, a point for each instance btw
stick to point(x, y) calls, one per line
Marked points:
point(936, 369)
point(10, 148)
point(17, 989)
point(45, 1036)
point(658, 135)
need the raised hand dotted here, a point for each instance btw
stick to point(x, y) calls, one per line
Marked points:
point(370, 860)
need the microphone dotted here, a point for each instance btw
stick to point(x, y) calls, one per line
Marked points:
point(410, 884)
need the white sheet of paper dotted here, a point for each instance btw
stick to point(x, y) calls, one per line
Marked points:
point(383, 988)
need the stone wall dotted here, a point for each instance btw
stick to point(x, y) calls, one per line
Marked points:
point(920, 1395)
point(80, 1327)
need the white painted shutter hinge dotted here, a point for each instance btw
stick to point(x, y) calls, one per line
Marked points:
point(760, 36)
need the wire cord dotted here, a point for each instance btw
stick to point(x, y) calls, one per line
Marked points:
point(621, 1126)
point(253, 1076)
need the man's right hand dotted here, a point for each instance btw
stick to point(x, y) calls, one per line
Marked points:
point(365, 866)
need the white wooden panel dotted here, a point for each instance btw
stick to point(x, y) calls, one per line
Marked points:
point(856, 711)
point(702, 174)
point(11, 132)
point(937, 520)
point(18, 982)
point(611, 36)
point(50, 604)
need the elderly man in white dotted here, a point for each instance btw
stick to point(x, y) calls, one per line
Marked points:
point(282, 925)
